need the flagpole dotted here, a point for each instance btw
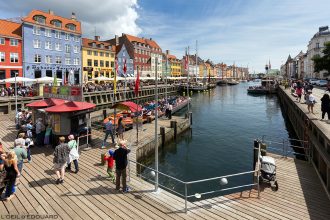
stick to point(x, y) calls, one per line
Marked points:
point(137, 116)
point(156, 130)
point(196, 61)
point(187, 54)
point(114, 99)
point(166, 79)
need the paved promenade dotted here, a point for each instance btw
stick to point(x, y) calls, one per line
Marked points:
point(90, 195)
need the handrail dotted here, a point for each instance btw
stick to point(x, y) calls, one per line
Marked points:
point(215, 178)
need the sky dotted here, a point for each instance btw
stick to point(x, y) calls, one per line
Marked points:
point(245, 32)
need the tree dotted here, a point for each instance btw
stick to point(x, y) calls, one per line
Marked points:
point(323, 63)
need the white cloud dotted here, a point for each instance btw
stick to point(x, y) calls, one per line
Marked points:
point(107, 17)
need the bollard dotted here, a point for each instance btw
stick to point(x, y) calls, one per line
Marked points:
point(174, 126)
point(190, 118)
point(255, 153)
point(162, 134)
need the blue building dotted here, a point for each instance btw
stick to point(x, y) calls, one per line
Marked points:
point(122, 56)
point(51, 46)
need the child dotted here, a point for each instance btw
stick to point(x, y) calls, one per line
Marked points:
point(109, 158)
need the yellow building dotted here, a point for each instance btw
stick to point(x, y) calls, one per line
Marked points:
point(98, 59)
point(175, 66)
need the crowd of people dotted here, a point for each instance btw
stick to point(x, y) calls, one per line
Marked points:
point(22, 91)
point(305, 89)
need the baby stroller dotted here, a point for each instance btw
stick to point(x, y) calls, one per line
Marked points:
point(268, 172)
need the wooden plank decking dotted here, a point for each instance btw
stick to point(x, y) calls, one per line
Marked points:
point(90, 195)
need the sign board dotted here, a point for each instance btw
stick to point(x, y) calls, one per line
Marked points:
point(71, 93)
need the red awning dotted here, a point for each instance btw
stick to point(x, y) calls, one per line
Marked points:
point(133, 107)
point(70, 107)
point(46, 103)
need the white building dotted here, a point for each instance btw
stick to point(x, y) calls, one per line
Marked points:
point(315, 47)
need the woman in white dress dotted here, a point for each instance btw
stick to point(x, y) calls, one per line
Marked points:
point(74, 154)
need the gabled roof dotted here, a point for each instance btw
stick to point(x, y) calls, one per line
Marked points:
point(50, 17)
point(10, 29)
point(71, 106)
point(86, 42)
point(46, 103)
point(149, 42)
point(152, 43)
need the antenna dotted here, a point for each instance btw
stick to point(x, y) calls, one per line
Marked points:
point(94, 31)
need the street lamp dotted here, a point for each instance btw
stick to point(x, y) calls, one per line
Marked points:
point(16, 74)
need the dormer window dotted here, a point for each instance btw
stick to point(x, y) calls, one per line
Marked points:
point(56, 23)
point(40, 19)
point(71, 27)
point(94, 44)
point(101, 46)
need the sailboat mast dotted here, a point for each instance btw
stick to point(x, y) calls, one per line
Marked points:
point(196, 59)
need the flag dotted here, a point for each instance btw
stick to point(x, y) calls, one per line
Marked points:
point(137, 82)
point(115, 77)
point(186, 62)
point(125, 68)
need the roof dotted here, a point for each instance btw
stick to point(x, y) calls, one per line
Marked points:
point(86, 42)
point(46, 103)
point(133, 107)
point(170, 56)
point(71, 106)
point(150, 42)
point(50, 17)
point(10, 29)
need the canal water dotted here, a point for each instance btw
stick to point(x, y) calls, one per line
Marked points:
point(226, 120)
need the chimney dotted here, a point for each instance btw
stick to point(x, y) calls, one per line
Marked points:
point(323, 28)
point(73, 16)
point(97, 38)
point(117, 40)
point(150, 38)
point(50, 12)
point(167, 52)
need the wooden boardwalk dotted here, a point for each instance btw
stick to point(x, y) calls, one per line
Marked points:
point(90, 195)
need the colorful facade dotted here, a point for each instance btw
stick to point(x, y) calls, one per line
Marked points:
point(175, 65)
point(98, 59)
point(10, 49)
point(52, 46)
point(123, 57)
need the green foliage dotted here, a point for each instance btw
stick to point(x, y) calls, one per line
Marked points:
point(323, 63)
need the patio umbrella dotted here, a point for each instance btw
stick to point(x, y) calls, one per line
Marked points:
point(18, 79)
point(102, 78)
point(47, 79)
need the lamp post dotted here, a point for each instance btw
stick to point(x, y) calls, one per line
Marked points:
point(156, 120)
point(16, 94)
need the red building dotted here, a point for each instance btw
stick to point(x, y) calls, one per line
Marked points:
point(10, 49)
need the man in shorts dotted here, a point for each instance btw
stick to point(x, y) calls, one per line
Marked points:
point(61, 156)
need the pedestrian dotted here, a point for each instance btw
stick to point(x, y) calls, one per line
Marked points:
point(325, 106)
point(74, 154)
point(40, 128)
point(108, 131)
point(120, 156)
point(109, 158)
point(121, 128)
point(20, 139)
point(28, 144)
point(12, 172)
point(61, 156)
point(170, 108)
point(299, 93)
point(21, 154)
point(310, 101)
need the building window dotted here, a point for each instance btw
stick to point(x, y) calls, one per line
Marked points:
point(76, 61)
point(2, 41)
point(37, 58)
point(39, 19)
point(112, 55)
point(57, 23)
point(48, 59)
point(101, 54)
point(71, 27)
point(36, 43)
point(76, 38)
point(67, 48)
point(317, 45)
point(57, 46)
point(2, 56)
point(75, 49)
point(67, 36)
point(107, 63)
point(36, 30)
point(48, 32)
point(107, 54)
point(67, 61)
point(89, 62)
point(102, 46)
point(13, 42)
point(89, 52)
point(101, 63)
point(58, 60)
point(96, 63)
point(58, 34)
point(112, 64)
point(96, 53)
point(48, 45)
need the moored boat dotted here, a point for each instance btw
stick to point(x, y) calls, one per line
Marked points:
point(233, 82)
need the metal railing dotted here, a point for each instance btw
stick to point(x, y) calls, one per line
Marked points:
point(185, 184)
point(287, 147)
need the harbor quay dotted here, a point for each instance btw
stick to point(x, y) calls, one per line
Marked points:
point(90, 194)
